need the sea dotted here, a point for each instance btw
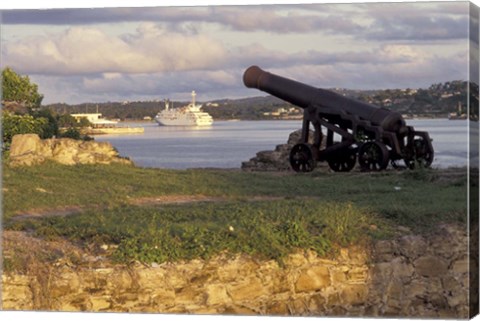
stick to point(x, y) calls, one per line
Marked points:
point(226, 144)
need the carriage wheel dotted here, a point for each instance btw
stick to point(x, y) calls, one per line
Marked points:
point(343, 160)
point(373, 156)
point(301, 158)
point(422, 154)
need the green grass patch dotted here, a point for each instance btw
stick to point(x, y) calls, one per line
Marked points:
point(315, 210)
point(412, 198)
point(268, 230)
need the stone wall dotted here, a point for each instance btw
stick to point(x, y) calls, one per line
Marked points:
point(279, 158)
point(29, 149)
point(412, 275)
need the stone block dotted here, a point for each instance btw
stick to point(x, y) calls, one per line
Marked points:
point(163, 298)
point(188, 296)
point(401, 269)
point(279, 283)
point(126, 300)
point(354, 294)
point(277, 308)
point(382, 272)
point(384, 247)
point(296, 260)
point(357, 275)
point(460, 267)
point(338, 276)
point(438, 301)
point(456, 299)
point(316, 304)
point(412, 246)
point(202, 310)
point(246, 291)
point(430, 266)
point(357, 256)
point(24, 144)
point(313, 279)
point(416, 288)
point(29, 149)
point(100, 303)
point(16, 292)
point(395, 289)
point(217, 294)
point(333, 300)
point(298, 306)
point(155, 279)
point(239, 310)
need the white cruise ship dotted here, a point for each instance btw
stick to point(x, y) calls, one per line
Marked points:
point(189, 115)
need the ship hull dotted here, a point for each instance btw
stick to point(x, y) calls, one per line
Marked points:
point(183, 118)
point(190, 115)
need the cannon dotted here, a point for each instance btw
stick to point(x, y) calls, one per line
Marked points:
point(353, 130)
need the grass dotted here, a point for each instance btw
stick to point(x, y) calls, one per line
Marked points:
point(315, 211)
point(169, 233)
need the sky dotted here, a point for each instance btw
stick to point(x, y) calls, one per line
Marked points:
point(150, 53)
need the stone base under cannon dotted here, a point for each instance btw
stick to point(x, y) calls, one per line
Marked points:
point(277, 159)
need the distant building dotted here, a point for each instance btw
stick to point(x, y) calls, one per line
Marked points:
point(96, 119)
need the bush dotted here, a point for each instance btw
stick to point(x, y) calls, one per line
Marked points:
point(71, 133)
point(21, 124)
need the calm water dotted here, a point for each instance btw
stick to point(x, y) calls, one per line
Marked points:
point(227, 144)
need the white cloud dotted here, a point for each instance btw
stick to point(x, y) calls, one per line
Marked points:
point(82, 50)
point(402, 52)
point(207, 49)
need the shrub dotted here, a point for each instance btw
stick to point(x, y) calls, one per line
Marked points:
point(21, 124)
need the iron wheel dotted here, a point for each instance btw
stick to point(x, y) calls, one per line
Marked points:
point(373, 156)
point(301, 158)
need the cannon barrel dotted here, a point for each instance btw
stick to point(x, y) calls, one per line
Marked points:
point(305, 96)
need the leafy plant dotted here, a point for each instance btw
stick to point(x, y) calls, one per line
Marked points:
point(19, 89)
point(21, 124)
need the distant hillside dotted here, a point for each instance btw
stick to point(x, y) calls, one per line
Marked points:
point(436, 101)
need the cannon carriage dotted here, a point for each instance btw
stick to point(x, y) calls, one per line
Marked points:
point(353, 130)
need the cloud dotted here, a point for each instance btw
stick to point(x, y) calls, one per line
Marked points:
point(424, 22)
point(419, 70)
point(83, 50)
point(385, 54)
point(276, 18)
point(409, 67)
point(386, 22)
point(118, 87)
point(359, 46)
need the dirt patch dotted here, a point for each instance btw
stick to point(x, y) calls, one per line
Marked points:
point(174, 199)
point(23, 252)
point(48, 212)
point(143, 201)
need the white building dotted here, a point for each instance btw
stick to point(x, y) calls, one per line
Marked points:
point(96, 119)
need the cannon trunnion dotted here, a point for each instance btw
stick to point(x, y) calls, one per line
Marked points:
point(354, 130)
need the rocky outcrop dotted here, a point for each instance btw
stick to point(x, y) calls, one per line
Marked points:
point(278, 159)
point(29, 149)
point(410, 276)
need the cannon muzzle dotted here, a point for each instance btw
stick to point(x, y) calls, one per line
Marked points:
point(289, 90)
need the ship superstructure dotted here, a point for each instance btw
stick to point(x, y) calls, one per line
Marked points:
point(189, 115)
